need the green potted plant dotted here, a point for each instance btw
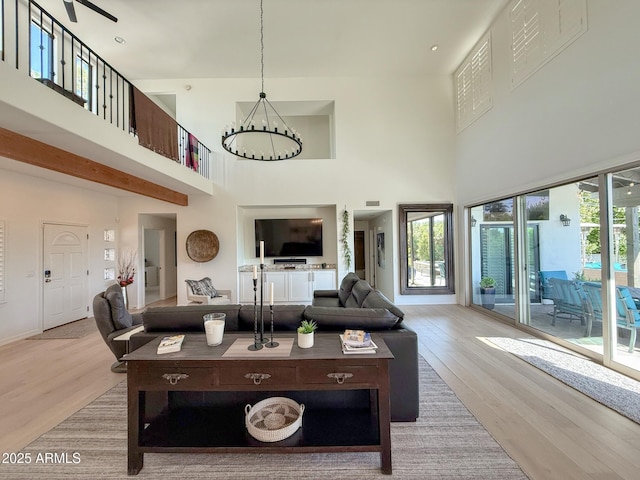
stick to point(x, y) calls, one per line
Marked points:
point(488, 292)
point(305, 333)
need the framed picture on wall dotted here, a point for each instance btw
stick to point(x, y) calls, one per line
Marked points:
point(380, 249)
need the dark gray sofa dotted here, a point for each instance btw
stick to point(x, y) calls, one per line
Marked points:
point(402, 341)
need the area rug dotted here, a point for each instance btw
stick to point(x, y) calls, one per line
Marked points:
point(446, 442)
point(604, 385)
point(77, 329)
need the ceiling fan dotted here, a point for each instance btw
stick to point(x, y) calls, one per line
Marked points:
point(71, 11)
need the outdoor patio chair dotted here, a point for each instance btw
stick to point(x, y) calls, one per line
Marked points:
point(627, 313)
point(568, 298)
point(545, 285)
point(631, 318)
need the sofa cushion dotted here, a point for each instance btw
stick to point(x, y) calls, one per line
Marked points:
point(377, 300)
point(360, 291)
point(202, 287)
point(119, 315)
point(340, 318)
point(285, 317)
point(187, 318)
point(346, 285)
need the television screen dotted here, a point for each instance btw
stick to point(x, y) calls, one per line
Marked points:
point(295, 237)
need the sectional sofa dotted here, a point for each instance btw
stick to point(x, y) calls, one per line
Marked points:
point(385, 322)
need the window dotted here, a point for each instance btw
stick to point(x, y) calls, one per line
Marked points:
point(540, 29)
point(2, 261)
point(426, 249)
point(83, 76)
point(473, 84)
point(41, 52)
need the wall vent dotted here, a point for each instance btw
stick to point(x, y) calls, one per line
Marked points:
point(372, 203)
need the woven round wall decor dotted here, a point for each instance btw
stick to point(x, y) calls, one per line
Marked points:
point(202, 245)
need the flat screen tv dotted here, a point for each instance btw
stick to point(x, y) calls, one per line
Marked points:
point(293, 237)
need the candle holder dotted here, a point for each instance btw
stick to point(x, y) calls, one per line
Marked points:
point(256, 344)
point(271, 344)
point(262, 339)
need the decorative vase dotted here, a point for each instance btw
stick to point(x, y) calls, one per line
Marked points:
point(305, 340)
point(124, 296)
point(488, 297)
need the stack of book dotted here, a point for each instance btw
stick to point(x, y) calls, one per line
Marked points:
point(170, 344)
point(357, 341)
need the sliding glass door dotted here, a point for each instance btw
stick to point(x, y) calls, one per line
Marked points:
point(565, 261)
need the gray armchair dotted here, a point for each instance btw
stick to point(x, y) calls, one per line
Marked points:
point(113, 320)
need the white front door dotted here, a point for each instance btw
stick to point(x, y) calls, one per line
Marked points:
point(66, 281)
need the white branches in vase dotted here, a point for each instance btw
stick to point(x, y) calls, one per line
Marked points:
point(126, 267)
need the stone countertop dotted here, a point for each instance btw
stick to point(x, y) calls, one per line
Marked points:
point(288, 266)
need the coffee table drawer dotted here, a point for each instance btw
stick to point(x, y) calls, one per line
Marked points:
point(256, 376)
point(339, 375)
point(178, 378)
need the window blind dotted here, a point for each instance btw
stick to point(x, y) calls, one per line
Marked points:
point(540, 29)
point(473, 84)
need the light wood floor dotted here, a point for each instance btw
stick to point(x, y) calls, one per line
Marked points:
point(552, 431)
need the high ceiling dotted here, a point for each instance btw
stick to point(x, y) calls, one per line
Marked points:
point(303, 38)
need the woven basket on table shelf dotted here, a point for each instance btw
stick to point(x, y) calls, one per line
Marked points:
point(273, 419)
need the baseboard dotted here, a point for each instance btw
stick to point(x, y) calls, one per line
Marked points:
point(22, 336)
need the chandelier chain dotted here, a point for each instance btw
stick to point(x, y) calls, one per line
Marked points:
point(282, 142)
point(262, 44)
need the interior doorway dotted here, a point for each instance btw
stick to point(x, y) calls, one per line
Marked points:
point(359, 254)
point(158, 257)
point(154, 254)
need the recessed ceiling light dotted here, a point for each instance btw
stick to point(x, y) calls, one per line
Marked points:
point(120, 40)
point(434, 47)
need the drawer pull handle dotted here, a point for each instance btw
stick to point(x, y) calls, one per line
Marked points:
point(340, 377)
point(174, 377)
point(257, 377)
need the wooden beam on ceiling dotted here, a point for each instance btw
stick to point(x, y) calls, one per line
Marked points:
point(27, 150)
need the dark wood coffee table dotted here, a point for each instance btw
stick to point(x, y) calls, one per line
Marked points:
point(206, 429)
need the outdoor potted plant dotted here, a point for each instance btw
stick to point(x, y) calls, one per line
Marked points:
point(305, 333)
point(488, 292)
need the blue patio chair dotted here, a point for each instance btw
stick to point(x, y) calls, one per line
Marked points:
point(568, 298)
point(593, 305)
point(545, 285)
point(628, 315)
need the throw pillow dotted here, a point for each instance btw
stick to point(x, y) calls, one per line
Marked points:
point(202, 287)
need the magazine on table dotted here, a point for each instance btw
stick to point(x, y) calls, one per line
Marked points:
point(357, 342)
point(170, 344)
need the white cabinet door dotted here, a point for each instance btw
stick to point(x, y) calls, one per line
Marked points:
point(246, 287)
point(280, 287)
point(300, 286)
point(324, 280)
point(289, 286)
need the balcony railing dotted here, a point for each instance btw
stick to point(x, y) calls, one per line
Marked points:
point(58, 59)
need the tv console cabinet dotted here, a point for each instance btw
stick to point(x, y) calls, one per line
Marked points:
point(221, 429)
point(290, 285)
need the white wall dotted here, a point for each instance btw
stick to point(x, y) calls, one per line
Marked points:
point(394, 143)
point(576, 115)
point(26, 203)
